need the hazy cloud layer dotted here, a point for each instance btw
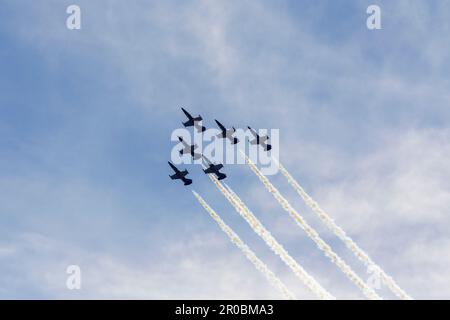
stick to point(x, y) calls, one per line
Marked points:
point(85, 123)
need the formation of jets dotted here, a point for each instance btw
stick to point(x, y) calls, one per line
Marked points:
point(211, 168)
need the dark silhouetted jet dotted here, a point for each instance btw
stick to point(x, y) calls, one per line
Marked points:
point(227, 133)
point(180, 175)
point(189, 149)
point(260, 140)
point(193, 122)
point(214, 169)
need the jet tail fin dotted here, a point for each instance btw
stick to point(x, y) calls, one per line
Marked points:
point(201, 129)
point(221, 176)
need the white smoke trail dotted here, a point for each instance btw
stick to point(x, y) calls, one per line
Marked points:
point(270, 276)
point(273, 244)
point(329, 222)
point(322, 245)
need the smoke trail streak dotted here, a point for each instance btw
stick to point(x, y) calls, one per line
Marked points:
point(273, 244)
point(322, 245)
point(270, 276)
point(329, 222)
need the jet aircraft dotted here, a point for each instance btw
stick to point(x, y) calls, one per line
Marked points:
point(189, 149)
point(180, 175)
point(193, 122)
point(261, 140)
point(214, 169)
point(227, 133)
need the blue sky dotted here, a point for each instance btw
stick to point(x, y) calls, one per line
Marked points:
point(86, 118)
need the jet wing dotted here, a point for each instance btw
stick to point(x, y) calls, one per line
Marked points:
point(189, 123)
point(175, 176)
point(253, 132)
point(209, 170)
point(258, 139)
point(179, 175)
point(213, 168)
point(221, 126)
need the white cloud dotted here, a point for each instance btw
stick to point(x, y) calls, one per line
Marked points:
point(255, 62)
point(208, 267)
point(395, 203)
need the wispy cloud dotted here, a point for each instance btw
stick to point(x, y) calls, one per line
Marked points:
point(86, 120)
